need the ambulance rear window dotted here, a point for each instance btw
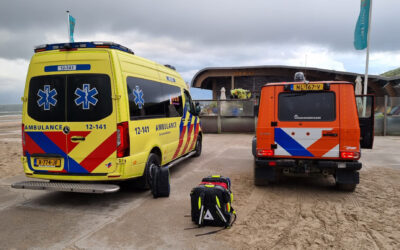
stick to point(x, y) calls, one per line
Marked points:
point(307, 106)
point(89, 97)
point(72, 98)
point(46, 99)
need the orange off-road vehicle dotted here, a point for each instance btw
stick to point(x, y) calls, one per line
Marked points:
point(312, 128)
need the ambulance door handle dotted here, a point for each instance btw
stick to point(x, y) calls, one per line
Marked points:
point(330, 134)
point(77, 138)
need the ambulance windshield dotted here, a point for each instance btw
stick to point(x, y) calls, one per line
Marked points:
point(306, 106)
point(69, 98)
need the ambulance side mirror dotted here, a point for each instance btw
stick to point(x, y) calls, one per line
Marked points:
point(197, 109)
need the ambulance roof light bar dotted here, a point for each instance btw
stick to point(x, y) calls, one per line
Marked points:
point(77, 45)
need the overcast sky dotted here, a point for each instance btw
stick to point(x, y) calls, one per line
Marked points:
point(192, 35)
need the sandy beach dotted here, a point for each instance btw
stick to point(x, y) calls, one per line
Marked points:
point(297, 213)
point(10, 146)
point(308, 214)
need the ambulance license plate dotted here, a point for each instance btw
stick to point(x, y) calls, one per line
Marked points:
point(308, 87)
point(47, 162)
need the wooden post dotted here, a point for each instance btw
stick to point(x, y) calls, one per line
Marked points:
point(214, 89)
point(385, 116)
point(219, 117)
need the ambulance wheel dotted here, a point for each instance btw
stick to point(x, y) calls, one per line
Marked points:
point(198, 147)
point(144, 182)
point(346, 187)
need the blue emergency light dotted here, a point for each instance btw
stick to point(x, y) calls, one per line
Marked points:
point(81, 45)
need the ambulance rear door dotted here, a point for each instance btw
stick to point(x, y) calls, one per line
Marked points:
point(43, 120)
point(91, 115)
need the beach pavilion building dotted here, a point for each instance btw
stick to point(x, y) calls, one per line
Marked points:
point(252, 78)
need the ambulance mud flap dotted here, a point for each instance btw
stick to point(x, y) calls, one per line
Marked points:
point(67, 187)
point(344, 176)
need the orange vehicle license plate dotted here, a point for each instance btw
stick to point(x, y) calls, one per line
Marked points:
point(308, 87)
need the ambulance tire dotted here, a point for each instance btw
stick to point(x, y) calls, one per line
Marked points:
point(144, 182)
point(198, 147)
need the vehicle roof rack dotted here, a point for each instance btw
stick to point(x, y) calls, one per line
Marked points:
point(81, 45)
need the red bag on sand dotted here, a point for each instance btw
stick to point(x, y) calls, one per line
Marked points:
point(222, 184)
point(220, 180)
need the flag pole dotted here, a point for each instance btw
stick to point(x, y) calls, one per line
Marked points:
point(367, 56)
point(69, 32)
point(367, 62)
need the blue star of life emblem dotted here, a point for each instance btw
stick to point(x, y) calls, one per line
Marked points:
point(86, 96)
point(47, 97)
point(138, 97)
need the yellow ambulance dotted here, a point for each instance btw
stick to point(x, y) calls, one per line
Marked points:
point(94, 112)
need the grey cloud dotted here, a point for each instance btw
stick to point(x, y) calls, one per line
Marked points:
point(206, 23)
point(192, 35)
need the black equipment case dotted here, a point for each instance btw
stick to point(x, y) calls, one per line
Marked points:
point(211, 204)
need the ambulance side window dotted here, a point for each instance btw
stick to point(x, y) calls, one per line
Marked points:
point(151, 99)
point(189, 103)
point(174, 104)
point(46, 98)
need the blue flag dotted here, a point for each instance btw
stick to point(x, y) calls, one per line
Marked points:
point(361, 32)
point(71, 28)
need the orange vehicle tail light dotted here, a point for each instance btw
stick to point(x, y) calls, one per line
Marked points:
point(349, 155)
point(265, 152)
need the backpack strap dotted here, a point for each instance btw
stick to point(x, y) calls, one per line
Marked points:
point(221, 215)
point(216, 231)
point(234, 218)
point(201, 207)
